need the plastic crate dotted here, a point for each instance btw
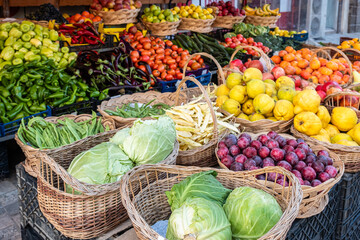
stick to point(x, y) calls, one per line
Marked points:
point(170, 86)
point(321, 226)
point(4, 163)
point(350, 230)
point(11, 128)
point(301, 37)
point(349, 208)
point(79, 108)
point(219, 33)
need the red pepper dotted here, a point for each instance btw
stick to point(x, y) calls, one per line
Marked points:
point(89, 41)
point(74, 41)
point(64, 27)
point(85, 32)
point(64, 31)
point(96, 38)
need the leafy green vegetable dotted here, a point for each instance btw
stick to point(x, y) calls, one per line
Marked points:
point(251, 212)
point(104, 163)
point(133, 110)
point(201, 218)
point(149, 141)
point(203, 184)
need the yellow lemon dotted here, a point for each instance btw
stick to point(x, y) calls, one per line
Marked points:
point(221, 99)
point(255, 87)
point(252, 73)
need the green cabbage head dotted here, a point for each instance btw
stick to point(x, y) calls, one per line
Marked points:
point(202, 184)
point(201, 218)
point(148, 142)
point(104, 163)
point(251, 212)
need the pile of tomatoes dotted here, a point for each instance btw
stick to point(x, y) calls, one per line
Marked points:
point(239, 40)
point(165, 59)
point(80, 18)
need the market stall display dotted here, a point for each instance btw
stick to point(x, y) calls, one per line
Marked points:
point(196, 19)
point(226, 14)
point(262, 16)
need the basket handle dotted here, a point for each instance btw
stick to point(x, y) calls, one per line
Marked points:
point(221, 72)
point(329, 99)
point(262, 54)
point(338, 52)
point(205, 95)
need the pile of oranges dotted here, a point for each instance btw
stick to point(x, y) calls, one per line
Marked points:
point(84, 16)
point(354, 43)
point(318, 70)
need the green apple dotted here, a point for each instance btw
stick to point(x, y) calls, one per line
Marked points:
point(147, 10)
point(149, 18)
point(156, 21)
point(167, 12)
point(170, 18)
point(156, 12)
point(176, 19)
point(153, 8)
point(161, 16)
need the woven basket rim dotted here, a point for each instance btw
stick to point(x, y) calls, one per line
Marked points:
point(160, 24)
point(291, 208)
point(264, 17)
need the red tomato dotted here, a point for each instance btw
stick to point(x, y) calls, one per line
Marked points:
point(188, 68)
point(156, 73)
point(142, 67)
point(250, 40)
point(160, 51)
point(144, 58)
point(186, 51)
point(201, 61)
point(266, 49)
point(152, 38)
point(161, 68)
point(260, 44)
point(180, 50)
point(228, 40)
point(182, 63)
point(195, 66)
point(178, 59)
point(139, 46)
point(147, 45)
point(173, 66)
point(174, 54)
point(174, 47)
point(145, 40)
point(179, 75)
point(151, 63)
point(254, 44)
point(233, 39)
point(145, 53)
point(152, 51)
point(155, 66)
point(160, 56)
point(155, 46)
point(177, 70)
point(158, 61)
point(169, 43)
point(169, 77)
point(171, 61)
point(134, 59)
point(168, 52)
point(171, 72)
point(135, 54)
point(190, 62)
point(163, 75)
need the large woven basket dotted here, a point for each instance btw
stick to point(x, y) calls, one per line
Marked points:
point(147, 203)
point(314, 199)
point(264, 56)
point(97, 210)
point(32, 162)
point(196, 25)
point(325, 52)
point(349, 155)
point(341, 99)
point(227, 21)
point(113, 103)
point(163, 29)
point(201, 156)
point(122, 16)
point(19, 20)
point(262, 21)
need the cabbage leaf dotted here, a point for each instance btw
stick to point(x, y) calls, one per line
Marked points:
point(251, 212)
point(204, 219)
point(203, 184)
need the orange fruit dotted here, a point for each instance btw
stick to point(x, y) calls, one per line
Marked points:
point(305, 75)
point(323, 79)
point(282, 53)
point(97, 19)
point(332, 65)
point(346, 78)
point(85, 14)
point(307, 57)
point(276, 59)
point(298, 70)
point(294, 63)
point(289, 57)
point(325, 71)
point(335, 78)
point(314, 79)
point(77, 17)
point(342, 60)
point(290, 70)
point(91, 16)
point(315, 64)
point(303, 63)
point(316, 74)
point(284, 64)
point(289, 49)
point(309, 70)
point(323, 61)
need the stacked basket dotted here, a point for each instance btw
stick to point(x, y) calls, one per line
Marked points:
point(122, 16)
point(163, 29)
point(262, 21)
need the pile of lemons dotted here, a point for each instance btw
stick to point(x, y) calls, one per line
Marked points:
point(195, 12)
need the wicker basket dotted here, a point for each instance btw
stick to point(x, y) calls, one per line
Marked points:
point(350, 155)
point(97, 210)
point(227, 21)
point(196, 25)
point(122, 16)
point(262, 21)
point(162, 29)
point(19, 20)
point(336, 99)
point(263, 55)
point(31, 161)
point(325, 52)
point(167, 98)
point(147, 203)
point(204, 155)
point(314, 199)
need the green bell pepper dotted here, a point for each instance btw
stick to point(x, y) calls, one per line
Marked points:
point(35, 42)
point(4, 35)
point(17, 61)
point(7, 53)
point(54, 47)
point(47, 52)
point(4, 92)
point(38, 108)
point(25, 27)
point(15, 25)
point(27, 45)
point(19, 55)
point(10, 41)
point(46, 42)
point(14, 32)
point(17, 45)
point(31, 33)
point(26, 37)
point(54, 35)
point(6, 27)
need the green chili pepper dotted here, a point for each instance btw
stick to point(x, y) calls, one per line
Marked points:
point(56, 95)
point(6, 103)
point(73, 96)
point(34, 76)
point(26, 109)
point(2, 109)
point(24, 79)
point(83, 86)
point(95, 94)
point(38, 108)
point(60, 101)
point(40, 82)
point(81, 94)
point(28, 84)
point(33, 92)
point(4, 119)
point(20, 115)
point(4, 92)
point(17, 91)
point(15, 111)
point(52, 88)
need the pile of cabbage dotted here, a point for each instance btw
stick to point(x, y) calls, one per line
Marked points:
point(202, 208)
point(146, 142)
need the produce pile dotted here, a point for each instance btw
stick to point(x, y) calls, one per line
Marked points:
point(249, 30)
point(194, 12)
point(28, 42)
point(112, 5)
point(285, 33)
point(263, 11)
point(81, 33)
point(154, 14)
point(271, 149)
point(242, 213)
point(138, 110)
point(239, 40)
point(27, 89)
point(226, 9)
point(353, 43)
point(42, 134)
point(46, 12)
point(85, 16)
point(194, 124)
point(143, 143)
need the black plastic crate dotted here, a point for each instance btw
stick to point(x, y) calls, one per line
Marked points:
point(321, 226)
point(79, 108)
point(4, 162)
point(351, 230)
